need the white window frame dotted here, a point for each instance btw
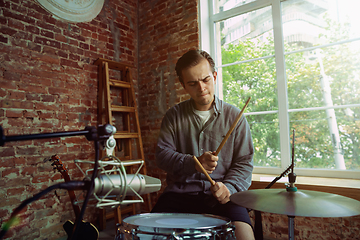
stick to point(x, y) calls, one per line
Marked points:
point(207, 22)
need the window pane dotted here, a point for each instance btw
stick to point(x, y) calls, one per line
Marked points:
point(247, 69)
point(220, 6)
point(265, 133)
point(253, 31)
point(309, 23)
point(321, 142)
point(255, 79)
point(324, 77)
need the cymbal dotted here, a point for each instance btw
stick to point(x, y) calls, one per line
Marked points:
point(303, 203)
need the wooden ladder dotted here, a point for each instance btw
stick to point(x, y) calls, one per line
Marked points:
point(117, 106)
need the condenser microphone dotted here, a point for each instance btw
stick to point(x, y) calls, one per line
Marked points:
point(129, 185)
point(112, 184)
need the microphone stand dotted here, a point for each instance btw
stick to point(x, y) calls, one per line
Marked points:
point(101, 133)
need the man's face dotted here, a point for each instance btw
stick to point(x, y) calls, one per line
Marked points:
point(199, 83)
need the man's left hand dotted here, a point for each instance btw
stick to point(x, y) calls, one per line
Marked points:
point(220, 192)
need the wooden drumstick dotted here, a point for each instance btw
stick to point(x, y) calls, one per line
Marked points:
point(204, 171)
point(232, 128)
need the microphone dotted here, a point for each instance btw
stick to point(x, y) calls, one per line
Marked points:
point(116, 184)
point(112, 185)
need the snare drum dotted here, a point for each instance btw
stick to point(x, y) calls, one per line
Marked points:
point(175, 226)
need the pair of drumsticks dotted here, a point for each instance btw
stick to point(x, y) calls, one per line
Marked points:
point(222, 143)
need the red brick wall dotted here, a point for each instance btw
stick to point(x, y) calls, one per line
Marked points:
point(167, 29)
point(49, 84)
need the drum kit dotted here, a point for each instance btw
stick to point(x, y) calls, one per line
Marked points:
point(303, 203)
point(289, 201)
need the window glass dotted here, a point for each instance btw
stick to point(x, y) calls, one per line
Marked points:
point(326, 78)
point(265, 134)
point(327, 143)
point(321, 48)
point(247, 69)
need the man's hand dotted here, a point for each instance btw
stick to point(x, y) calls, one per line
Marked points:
point(209, 161)
point(220, 192)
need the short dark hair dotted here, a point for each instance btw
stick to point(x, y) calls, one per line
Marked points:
point(190, 59)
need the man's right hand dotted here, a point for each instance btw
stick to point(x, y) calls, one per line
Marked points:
point(209, 161)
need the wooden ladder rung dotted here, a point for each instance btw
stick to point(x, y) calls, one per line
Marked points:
point(124, 135)
point(118, 83)
point(116, 108)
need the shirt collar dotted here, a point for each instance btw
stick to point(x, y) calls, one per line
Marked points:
point(216, 105)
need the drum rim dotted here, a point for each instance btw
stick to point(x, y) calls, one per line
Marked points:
point(227, 220)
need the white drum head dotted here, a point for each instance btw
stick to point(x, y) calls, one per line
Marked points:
point(176, 220)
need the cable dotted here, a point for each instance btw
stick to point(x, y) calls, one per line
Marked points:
point(88, 194)
point(73, 185)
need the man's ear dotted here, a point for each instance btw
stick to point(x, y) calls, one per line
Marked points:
point(215, 76)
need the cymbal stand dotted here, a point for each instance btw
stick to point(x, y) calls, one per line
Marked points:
point(291, 229)
point(291, 188)
point(292, 177)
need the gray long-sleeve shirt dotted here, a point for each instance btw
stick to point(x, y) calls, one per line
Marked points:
point(182, 136)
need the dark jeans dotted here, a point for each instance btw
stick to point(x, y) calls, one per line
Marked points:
point(201, 203)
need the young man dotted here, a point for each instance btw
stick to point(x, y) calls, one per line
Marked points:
point(196, 127)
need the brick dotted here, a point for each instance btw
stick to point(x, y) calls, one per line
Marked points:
point(34, 14)
point(26, 150)
point(45, 115)
point(48, 42)
point(47, 34)
point(7, 161)
point(7, 31)
point(34, 47)
point(74, 57)
point(15, 182)
point(84, 46)
point(32, 29)
point(50, 27)
point(32, 97)
point(70, 63)
point(29, 170)
point(74, 35)
point(85, 33)
point(60, 37)
point(20, 37)
point(14, 113)
point(72, 49)
point(47, 98)
point(45, 58)
point(46, 106)
point(15, 191)
point(40, 179)
point(18, 16)
point(3, 39)
point(11, 201)
point(16, 95)
point(13, 76)
point(16, 24)
point(49, 19)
